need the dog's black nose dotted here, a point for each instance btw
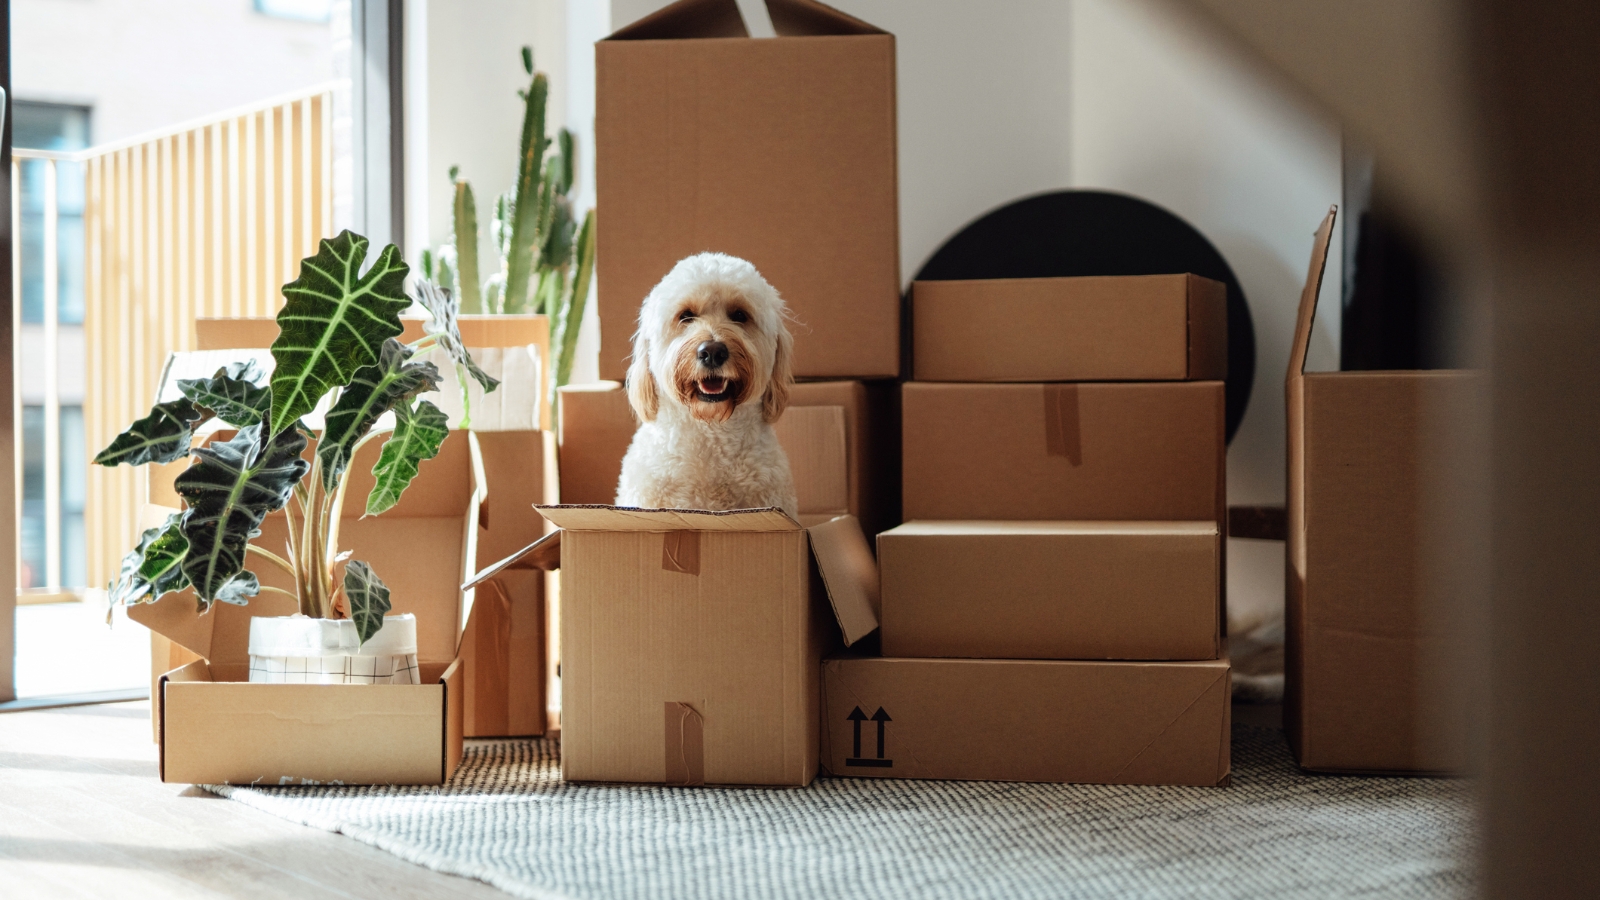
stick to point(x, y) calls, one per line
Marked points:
point(712, 354)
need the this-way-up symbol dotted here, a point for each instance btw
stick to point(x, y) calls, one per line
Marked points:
point(856, 717)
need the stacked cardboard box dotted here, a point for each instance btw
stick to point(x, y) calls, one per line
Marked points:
point(1051, 610)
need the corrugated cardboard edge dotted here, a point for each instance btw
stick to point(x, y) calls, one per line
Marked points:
point(1295, 562)
point(849, 574)
point(545, 553)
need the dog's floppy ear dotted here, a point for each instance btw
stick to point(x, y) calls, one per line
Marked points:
point(776, 399)
point(641, 384)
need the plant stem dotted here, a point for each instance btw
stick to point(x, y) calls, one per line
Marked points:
point(266, 587)
point(271, 557)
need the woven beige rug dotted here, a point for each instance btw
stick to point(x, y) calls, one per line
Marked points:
point(1277, 833)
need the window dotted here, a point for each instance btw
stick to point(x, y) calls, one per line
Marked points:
point(298, 10)
point(51, 126)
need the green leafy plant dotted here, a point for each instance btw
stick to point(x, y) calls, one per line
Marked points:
point(546, 255)
point(339, 339)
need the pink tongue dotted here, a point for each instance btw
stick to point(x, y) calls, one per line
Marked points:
point(713, 386)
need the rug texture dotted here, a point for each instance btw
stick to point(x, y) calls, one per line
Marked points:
point(507, 819)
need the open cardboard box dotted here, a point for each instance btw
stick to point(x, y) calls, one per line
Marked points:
point(834, 433)
point(1101, 328)
point(1382, 480)
point(692, 641)
point(779, 150)
point(215, 727)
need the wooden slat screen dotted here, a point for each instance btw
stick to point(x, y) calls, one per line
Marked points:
point(209, 220)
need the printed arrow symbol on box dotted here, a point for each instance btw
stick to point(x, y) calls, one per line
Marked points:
point(856, 717)
point(880, 717)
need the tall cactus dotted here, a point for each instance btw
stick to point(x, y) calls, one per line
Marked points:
point(535, 232)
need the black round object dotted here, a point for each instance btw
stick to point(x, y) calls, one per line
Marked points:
point(1069, 233)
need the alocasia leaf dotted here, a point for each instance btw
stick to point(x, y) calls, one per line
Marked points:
point(442, 308)
point(160, 437)
point(417, 436)
point(374, 391)
point(232, 394)
point(154, 567)
point(334, 321)
point(240, 588)
point(229, 490)
point(367, 598)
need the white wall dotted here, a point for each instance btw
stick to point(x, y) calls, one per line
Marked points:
point(147, 64)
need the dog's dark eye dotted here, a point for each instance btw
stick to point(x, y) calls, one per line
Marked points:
point(686, 316)
point(739, 316)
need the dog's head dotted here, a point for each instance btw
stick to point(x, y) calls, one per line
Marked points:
point(711, 338)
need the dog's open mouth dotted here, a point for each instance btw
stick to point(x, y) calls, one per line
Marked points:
point(713, 389)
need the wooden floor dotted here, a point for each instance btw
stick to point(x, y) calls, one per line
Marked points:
point(82, 814)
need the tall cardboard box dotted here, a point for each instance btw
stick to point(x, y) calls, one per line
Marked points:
point(780, 150)
point(1102, 328)
point(1027, 720)
point(1052, 590)
point(1381, 519)
point(692, 641)
point(1151, 451)
point(215, 727)
point(597, 426)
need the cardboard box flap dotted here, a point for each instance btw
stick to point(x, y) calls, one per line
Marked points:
point(963, 528)
point(1308, 296)
point(423, 547)
point(849, 573)
point(545, 553)
point(623, 518)
point(808, 18)
point(687, 19)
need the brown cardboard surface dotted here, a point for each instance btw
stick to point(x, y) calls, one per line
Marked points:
point(503, 643)
point(597, 426)
point(1028, 720)
point(781, 151)
point(421, 549)
point(1052, 590)
point(1363, 660)
point(1106, 328)
point(668, 612)
point(1138, 451)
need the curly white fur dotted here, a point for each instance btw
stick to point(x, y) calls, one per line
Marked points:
point(710, 374)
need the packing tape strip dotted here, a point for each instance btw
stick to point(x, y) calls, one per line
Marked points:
point(685, 745)
point(680, 552)
point(1061, 429)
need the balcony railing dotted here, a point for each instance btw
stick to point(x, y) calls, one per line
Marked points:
point(208, 218)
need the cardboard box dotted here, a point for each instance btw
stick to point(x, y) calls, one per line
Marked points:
point(1138, 451)
point(215, 727)
point(781, 151)
point(1052, 590)
point(1028, 720)
point(503, 647)
point(1124, 328)
point(1379, 500)
point(692, 640)
point(841, 458)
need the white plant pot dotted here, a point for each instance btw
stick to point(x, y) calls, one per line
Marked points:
point(301, 650)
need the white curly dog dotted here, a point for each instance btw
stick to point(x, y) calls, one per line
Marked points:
point(710, 374)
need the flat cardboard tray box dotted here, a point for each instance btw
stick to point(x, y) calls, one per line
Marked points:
point(1103, 328)
point(1028, 720)
point(215, 727)
point(1052, 590)
point(692, 640)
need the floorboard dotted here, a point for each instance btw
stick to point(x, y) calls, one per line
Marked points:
point(82, 814)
